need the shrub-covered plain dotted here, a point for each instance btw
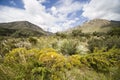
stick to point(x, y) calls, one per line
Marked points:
point(61, 57)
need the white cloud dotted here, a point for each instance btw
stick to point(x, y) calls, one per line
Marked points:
point(53, 19)
point(33, 6)
point(42, 1)
point(65, 7)
point(12, 14)
point(104, 9)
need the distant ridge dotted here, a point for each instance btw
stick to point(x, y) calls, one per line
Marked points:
point(97, 25)
point(21, 29)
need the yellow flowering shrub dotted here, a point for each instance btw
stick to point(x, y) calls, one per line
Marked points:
point(21, 56)
point(54, 61)
point(74, 60)
point(46, 50)
point(50, 58)
point(16, 55)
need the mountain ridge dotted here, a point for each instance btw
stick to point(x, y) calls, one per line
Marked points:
point(96, 25)
point(21, 29)
point(26, 29)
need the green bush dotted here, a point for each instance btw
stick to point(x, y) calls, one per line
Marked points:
point(76, 33)
point(116, 72)
point(69, 47)
point(114, 31)
point(33, 40)
point(106, 43)
point(62, 35)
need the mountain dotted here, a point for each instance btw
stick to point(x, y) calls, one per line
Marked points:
point(21, 29)
point(97, 25)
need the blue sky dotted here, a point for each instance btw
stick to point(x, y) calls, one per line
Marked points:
point(58, 15)
point(12, 3)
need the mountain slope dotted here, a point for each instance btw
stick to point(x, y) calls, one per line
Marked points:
point(97, 25)
point(21, 29)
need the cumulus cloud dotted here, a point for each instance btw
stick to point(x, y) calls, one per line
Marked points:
point(65, 7)
point(104, 9)
point(53, 19)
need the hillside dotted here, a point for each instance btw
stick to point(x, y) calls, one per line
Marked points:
point(97, 25)
point(21, 29)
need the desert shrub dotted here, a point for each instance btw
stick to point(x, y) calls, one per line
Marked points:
point(62, 35)
point(41, 73)
point(6, 73)
point(2, 38)
point(107, 43)
point(6, 46)
point(21, 62)
point(46, 50)
point(98, 34)
point(69, 47)
point(113, 41)
point(22, 44)
point(102, 62)
point(33, 40)
point(115, 73)
point(85, 74)
point(54, 45)
point(87, 35)
point(77, 33)
point(74, 60)
point(95, 43)
point(25, 65)
point(12, 43)
point(114, 31)
point(45, 64)
point(20, 56)
point(53, 61)
point(51, 58)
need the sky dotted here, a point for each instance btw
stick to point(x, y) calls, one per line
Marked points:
point(58, 15)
